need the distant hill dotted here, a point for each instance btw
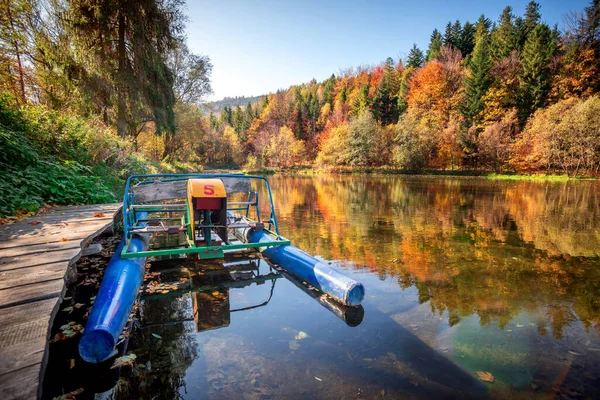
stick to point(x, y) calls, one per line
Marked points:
point(217, 106)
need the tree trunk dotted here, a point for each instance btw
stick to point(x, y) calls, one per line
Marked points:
point(121, 103)
point(18, 54)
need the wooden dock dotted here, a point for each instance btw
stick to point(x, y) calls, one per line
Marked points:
point(36, 259)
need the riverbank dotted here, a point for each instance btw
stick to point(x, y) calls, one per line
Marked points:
point(309, 170)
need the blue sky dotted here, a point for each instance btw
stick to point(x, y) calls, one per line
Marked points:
point(259, 46)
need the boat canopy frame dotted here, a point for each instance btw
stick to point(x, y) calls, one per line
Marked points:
point(136, 216)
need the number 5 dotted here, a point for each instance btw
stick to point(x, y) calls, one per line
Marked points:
point(209, 190)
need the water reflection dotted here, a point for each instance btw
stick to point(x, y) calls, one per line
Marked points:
point(470, 246)
point(462, 276)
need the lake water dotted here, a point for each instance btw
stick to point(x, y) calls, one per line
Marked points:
point(467, 281)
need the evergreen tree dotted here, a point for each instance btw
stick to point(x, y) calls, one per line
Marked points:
point(226, 115)
point(362, 102)
point(456, 33)
point(435, 45)
point(534, 77)
point(384, 104)
point(466, 41)
point(528, 24)
point(478, 81)
point(343, 95)
point(248, 115)
point(415, 57)
point(238, 121)
point(449, 39)
point(328, 90)
point(127, 45)
point(503, 38)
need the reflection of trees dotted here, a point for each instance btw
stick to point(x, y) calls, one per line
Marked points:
point(164, 351)
point(469, 245)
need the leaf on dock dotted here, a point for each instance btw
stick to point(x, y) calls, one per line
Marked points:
point(99, 215)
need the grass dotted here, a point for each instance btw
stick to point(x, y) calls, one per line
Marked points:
point(310, 170)
point(537, 177)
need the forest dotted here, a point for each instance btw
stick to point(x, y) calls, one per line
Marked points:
point(95, 90)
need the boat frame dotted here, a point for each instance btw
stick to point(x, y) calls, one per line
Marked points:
point(137, 216)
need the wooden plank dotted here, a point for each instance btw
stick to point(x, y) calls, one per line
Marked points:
point(24, 353)
point(25, 313)
point(107, 207)
point(40, 249)
point(68, 256)
point(40, 273)
point(21, 384)
point(30, 293)
point(55, 236)
point(33, 264)
point(47, 226)
point(158, 191)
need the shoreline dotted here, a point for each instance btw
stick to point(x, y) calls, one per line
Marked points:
point(309, 170)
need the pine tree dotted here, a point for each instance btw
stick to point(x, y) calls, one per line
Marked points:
point(466, 41)
point(456, 33)
point(534, 78)
point(528, 24)
point(384, 104)
point(415, 57)
point(435, 45)
point(449, 39)
point(328, 90)
point(103, 33)
point(478, 82)
point(362, 102)
point(503, 38)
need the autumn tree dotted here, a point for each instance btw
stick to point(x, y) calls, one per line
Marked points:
point(362, 136)
point(564, 137)
point(579, 75)
point(283, 149)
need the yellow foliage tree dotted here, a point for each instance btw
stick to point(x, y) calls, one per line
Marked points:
point(284, 150)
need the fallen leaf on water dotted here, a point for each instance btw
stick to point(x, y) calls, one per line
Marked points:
point(69, 309)
point(301, 335)
point(319, 379)
point(35, 222)
point(575, 353)
point(99, 215)
point(72, 363)
point(123, 361)
point(294, 345)
point(485, 376)
point(78, 305)
point(157, 336)
point(70, 395)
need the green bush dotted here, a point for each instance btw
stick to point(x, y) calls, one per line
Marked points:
point(54, 159)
